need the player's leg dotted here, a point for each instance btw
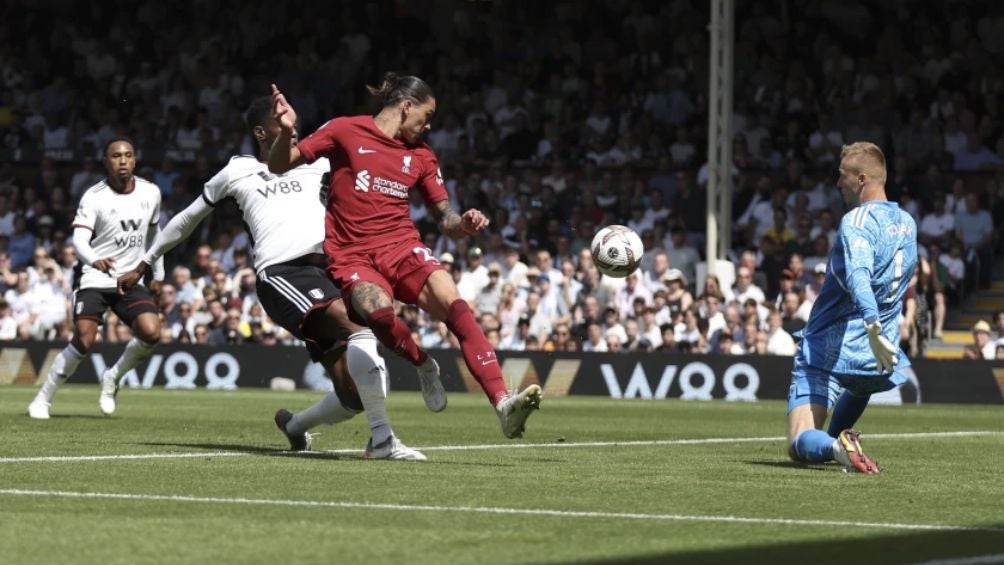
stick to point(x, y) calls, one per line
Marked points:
point(287, 303)
point(374, 304)
point(849, 408)
point(88, 308)
point(305, 301)
point(367, 370)
point(137, 309)
point(811, 395)
point(847, 411)
point(370, 302)
point(809, 399)
point(439, 297)
point(337, 406)
point(939, 314)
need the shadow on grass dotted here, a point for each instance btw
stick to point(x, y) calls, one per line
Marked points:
point(264, 451)
point(782, 464)
point(253, 450)
point(848, 545)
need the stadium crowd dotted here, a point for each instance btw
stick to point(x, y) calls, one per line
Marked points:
point(555, 121)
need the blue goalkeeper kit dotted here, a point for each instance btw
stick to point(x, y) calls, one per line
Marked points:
point(870, 267)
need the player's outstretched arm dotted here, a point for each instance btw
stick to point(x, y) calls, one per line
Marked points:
point(456, 225)
point(158, 266)
point(283, 156)
point(176, 231)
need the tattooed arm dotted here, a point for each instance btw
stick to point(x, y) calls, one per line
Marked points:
point(456, 225)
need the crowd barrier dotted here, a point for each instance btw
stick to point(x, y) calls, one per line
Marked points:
point(644, 376)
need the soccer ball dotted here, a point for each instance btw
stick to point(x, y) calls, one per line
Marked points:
point(617, 251)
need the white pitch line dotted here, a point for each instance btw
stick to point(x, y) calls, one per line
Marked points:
point(494, 510)
point(482, 447)
point(75, 458)
point(974, 560)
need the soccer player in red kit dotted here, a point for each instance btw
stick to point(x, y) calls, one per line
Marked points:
point(376, 253)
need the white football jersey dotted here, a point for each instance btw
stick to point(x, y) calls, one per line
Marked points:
point(272, 203)
point(119, 223)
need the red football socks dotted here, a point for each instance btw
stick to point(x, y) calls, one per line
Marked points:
point(478, 353)
point(395, 335)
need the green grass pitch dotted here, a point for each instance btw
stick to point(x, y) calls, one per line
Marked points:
point(223, 491)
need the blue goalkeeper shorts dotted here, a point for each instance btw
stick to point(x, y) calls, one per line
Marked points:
point(811, 385)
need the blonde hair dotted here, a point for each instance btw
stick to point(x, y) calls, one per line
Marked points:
point(864, 157)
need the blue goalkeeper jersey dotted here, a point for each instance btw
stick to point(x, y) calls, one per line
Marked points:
point(870, 266)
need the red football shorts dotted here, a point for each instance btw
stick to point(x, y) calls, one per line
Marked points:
point(400, 267)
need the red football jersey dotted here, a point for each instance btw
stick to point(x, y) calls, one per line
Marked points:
point(371, 175)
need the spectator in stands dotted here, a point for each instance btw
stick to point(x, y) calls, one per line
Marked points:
point(540, 320)
point(490, 295)
point(552, 303)
point(791, 320)
point(682, 256)
point(513, 270)
point(474, 277)
point(938, 225)
point(8, 325)
point(745, 289)
point(748, 260)
point(949, 124)
point(22, 243)
point(975, 155)
point(185, 324)
point(779, 342)
point(668, 335)
point(779, 230)
point(8, 277)
point(625, 297)
point(7, 217)
point(975, 229)
point(983, 346)
point(594, 338)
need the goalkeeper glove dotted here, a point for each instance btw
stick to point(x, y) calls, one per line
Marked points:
point(884, 351)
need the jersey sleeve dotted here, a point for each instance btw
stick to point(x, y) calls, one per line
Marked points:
point(217, 188)
point(155, 214)
point(322, 142)
point(87, 215)
point(431, 182)
point(859, 259)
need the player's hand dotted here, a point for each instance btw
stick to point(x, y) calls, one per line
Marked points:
point(473, 221)
point(104, 265)
point(885, 352)
point(132, 278)
point(282, 111)
point(155, 287)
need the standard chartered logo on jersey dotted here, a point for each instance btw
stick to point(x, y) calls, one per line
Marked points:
point(365, 182)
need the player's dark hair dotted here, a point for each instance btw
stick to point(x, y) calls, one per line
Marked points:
point(396, 88)
point(116, 139)
point(258, 112)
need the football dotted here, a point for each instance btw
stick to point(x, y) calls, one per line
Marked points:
point(617, 251)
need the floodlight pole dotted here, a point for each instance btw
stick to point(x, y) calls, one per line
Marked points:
point(719, 216)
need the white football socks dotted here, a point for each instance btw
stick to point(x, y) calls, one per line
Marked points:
point(136, 351)
point(328, 410)
point(367, 369)
point(62, 367)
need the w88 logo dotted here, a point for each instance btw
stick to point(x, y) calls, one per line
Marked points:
point(281, 187)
